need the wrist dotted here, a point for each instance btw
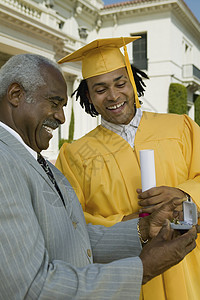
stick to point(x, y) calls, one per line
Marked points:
point(143, 230)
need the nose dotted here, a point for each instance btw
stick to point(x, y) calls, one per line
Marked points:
point(60, 115)
point(112, 94)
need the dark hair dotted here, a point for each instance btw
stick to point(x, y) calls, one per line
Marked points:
point(82, 91)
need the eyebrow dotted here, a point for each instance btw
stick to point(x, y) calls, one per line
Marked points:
point(57, 98)
point(103, 83)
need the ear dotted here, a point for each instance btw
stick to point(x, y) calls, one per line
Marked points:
point(15, 93)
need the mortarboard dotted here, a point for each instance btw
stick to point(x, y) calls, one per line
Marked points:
point(103, 56)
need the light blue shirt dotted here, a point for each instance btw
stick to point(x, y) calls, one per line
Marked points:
point(128, 131)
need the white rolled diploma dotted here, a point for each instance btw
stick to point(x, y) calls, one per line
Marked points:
point(147, 167)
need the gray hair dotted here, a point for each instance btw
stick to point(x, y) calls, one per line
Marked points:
point(25, 69)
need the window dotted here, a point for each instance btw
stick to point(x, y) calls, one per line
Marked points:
point(140, 52)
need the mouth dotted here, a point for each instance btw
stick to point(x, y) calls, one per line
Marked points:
point(116, 106)
point(48, 129)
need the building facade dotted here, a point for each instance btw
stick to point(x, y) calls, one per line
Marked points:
point(169, 50)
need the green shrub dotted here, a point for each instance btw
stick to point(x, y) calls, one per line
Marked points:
point(71, 131)
point(177, 99)
point(61, 142)
point(197, 110)
point(71, 127)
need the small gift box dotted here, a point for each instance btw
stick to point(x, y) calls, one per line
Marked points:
point(190, 217)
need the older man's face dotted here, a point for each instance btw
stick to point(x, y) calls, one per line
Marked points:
point(112, 96)
point(36, 121)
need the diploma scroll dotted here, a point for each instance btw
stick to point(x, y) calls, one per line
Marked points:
point(147, 167)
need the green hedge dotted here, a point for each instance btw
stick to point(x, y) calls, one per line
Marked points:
point(71, 127)
point(71, 131)
point(61, 142)
point(197, 110)
point(177, 99)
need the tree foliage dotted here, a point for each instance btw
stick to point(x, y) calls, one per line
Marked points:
point(177, 99)
point(71, 127)
point(70, 133)
point(197, 110)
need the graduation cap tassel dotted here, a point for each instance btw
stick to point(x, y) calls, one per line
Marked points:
point(130, 74)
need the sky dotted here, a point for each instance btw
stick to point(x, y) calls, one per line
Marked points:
point(194, 5)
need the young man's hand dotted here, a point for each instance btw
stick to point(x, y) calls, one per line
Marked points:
point(154, 198)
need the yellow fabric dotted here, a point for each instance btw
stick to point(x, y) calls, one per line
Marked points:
point(103, 56)
point(104, 170)
point(89, 53)
point(130, 74)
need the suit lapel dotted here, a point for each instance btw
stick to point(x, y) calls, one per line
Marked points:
point(17, 147)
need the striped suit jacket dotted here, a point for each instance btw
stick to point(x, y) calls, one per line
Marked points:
point(46, 250)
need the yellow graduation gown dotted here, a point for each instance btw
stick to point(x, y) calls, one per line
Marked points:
point(105, 173)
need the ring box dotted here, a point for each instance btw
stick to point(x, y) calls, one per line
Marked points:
point(190, 217)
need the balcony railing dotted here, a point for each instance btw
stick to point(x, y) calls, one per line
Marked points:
point(190, 71)
point(26, 7)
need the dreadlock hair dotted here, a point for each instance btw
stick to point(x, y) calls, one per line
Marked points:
point(82, 91)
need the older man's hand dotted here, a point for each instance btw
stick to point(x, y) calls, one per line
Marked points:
point(165, 250)
point(151, 225)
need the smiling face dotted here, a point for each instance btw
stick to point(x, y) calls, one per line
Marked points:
point(112, 96)
point(35, 121)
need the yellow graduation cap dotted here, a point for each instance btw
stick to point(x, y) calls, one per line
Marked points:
point(103, 56)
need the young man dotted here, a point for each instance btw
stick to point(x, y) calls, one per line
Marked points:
point(103, 167)
point(47, 251)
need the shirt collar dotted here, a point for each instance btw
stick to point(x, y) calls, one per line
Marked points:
point(18, 137)
point(119, 128)
point(127, 132)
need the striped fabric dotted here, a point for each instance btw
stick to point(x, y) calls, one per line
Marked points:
point(47, 251)
point(127, 132)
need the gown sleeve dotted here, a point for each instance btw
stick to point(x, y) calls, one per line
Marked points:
point(191, 150)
